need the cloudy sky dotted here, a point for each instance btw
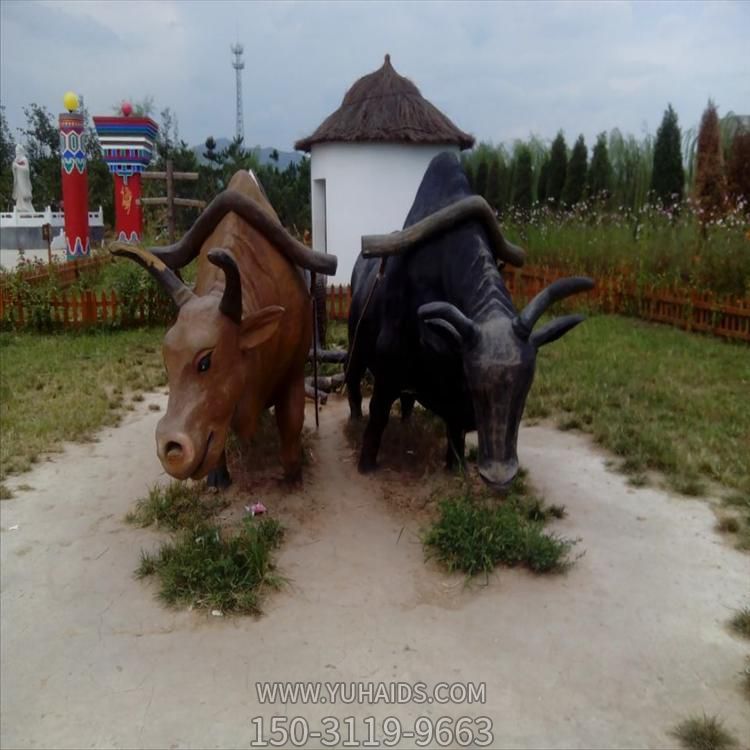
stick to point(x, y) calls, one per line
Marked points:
point(499, 70)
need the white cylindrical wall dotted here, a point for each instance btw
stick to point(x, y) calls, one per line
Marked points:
point(368, 188)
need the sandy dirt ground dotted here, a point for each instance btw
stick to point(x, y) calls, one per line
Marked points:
point(612, 654)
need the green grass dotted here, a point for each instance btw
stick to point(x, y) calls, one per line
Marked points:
point(740, 622)
point(210, 568)
point(178, 505)
point(703, 733)
point(59, 387)
point(658, 398)
point(476, 531)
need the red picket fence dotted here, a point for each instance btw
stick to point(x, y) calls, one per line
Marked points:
point(682, 308)
point(87, 309)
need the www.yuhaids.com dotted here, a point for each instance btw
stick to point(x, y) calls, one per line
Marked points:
point(387, 693)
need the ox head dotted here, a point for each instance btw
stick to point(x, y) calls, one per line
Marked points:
point(499, 357)
point(205, 351)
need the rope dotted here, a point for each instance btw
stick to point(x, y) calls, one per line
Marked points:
point(375, 282)
point(315, 345)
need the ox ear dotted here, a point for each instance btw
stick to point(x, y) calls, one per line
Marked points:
point(440, 336)
point(259, 326)
point(445, 328)
point(555, 329)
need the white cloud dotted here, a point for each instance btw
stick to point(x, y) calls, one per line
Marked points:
point(499, 70)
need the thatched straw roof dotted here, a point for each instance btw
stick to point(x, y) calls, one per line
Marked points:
point(384, 106)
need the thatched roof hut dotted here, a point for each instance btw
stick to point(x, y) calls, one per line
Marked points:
point(386, 107)
point(368, 158)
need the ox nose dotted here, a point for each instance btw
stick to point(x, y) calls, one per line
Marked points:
point(499, 474)
point(177, 454)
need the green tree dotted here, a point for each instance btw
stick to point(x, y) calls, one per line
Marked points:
point(541, 191)
point(42, 141)
point(482, 175)
point(558, 165)
point(7, 154)
point(738, 170)
point(575, 179)
point(493, 183)
point(710, 187)
point(504, 185)
point(600, 171)
point(522, 178)
point(210, 152)
point(632, 163)
point(668, 175)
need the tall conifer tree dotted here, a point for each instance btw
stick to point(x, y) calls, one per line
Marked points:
point(575, 179)
point(558, 164)
point(668, 174)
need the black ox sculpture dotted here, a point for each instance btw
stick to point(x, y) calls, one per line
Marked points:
point(436, 323)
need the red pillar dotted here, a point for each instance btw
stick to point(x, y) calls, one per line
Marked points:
point(128, 212)
point(75, 186)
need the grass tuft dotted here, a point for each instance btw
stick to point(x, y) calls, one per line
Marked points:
point(6, 493)
point(703, 733)
point(475, 532)
point(728, 525)
point(208, 568)
point(740, 623)
point(176, 506)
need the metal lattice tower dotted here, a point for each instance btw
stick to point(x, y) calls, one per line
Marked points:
point(238, 65)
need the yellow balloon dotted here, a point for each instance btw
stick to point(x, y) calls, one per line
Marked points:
point(70, 100)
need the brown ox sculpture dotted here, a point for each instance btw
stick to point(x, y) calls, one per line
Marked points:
point(242, 335)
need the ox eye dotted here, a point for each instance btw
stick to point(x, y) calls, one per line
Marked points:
point(204, 362)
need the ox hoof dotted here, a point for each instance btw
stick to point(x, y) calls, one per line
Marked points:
point(366, 467)
point(293, 477)
point(218, 479)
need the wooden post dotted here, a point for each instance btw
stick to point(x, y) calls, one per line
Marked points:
point(170, 176)
point(47, 237)
point(170, 200)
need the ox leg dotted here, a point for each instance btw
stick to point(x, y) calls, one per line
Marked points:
point(354, 373)
point(290, 416)
point(407, 405)
point(380, 409)
point(219, 478)
point(454, 455)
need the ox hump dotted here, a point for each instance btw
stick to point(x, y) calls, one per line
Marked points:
point(444, 182)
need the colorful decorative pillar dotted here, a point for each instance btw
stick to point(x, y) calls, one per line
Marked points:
point(75, 183)
point(127, 145)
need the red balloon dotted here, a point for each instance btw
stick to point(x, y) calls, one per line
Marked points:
point(127, 109)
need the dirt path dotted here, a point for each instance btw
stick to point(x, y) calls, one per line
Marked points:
point(612, 654)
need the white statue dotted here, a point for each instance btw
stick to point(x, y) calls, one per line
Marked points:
point(22, 181)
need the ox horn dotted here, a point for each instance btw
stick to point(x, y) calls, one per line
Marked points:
point(187, 248)
point(169, 280)
point(556, 291)
point(467, 209)
point(231, 300)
